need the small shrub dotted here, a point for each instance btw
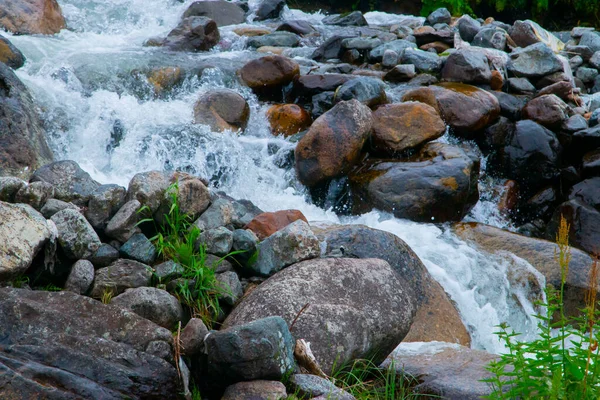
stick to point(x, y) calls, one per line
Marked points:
point(564, 362)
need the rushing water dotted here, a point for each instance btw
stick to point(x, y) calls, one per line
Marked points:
point(87, 83)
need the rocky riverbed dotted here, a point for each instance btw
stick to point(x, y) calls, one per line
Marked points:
point(407, 116)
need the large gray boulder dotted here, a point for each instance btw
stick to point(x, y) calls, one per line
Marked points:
point(356, 308)
point(75, 235)
point(151, 303)
point(81, 277)
point(70, 182)
point(23, 146)
point(148, 188)
point(23, 233)
point(534, 61)
point(259, 349)
point(193, 34)
point(123, 225)
point(468, 66)
point(119, 276)
point(104, 203)
point(60, 345)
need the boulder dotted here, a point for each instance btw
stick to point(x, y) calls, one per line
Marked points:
point(297, 26)
point(591, 40)
point(52, 206)
point(221, 110)
point(333, 143)
point(356, 308)
point(148, 188)
point(588, 192)
point(288, 119)
point(530, 155)
point(311, 386)
point(104, 256)
point(124, 224)
point(217, 241)
point(220, 213)
point(468, 66)
point(222, 12)
point(436, 319)
point(266, 224)
point(192, 337)
point(120, 275)
point(23, 146)
point(547, 110)
point(76, 236)
point(400, 73)
point(424, 35)
point(468, 27)
point(275, 39)
point(246, 242)
point(230, 281)
point(139, 248)
point(165, 79)
point(287, 246)
point(330, 49)
point(439, 16)
point(256, 390)
point(526, 33)
point(81, 277)
point(540, 254)
point(307, 86)
point(79, 348)
point(520, 86)
point(151, 303)
point(260, 349)
point(10, 55)
point(369, 91)
point(23, 233)
point(193, 197)
point(267, 75)
point(584, 221)
point(354, 18)
point(493, 38)
point(424, 61)
point(534, 61)
point(438, 184)
point(35, 194)
point(269, 9)
point(443, 370)
point(251, 31)
point(70, 182)
point(104, 203)
point(31, 16)
point(9, 187)
point(403, 126)
point(193, 34)
point(376, 55)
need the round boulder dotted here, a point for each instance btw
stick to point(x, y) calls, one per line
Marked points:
point(151, 303)
point(369, 91)
point(222, 12)
point(547, 110)
point(439, 184)
point(468, 66)
point(31, 16)
point(333, 143)
point(193, 34)
point(71, 183)
point(267, 75)
point(288, 119)
point(399, 127)
point(356, 308)
point(222, 110)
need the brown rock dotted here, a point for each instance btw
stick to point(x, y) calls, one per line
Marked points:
point(288, 119)
point(309, 85)
point(562, 89)
point(251, 31)
point(10, 55)
point(256, 390)
point(266, 224)
point(193, 34)
point(222, 109)
point(497, 80)
point(537, 252)
point(509, 197)
point(438, 46)
point(547, 110)
point(422, 94)
point(398, 127)
point(333, 143)
point(31, 16)
point(465, 108)
point(271, 49)
point(164, 79)
point(269, 74)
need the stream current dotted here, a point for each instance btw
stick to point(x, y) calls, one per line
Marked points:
point(100, 111)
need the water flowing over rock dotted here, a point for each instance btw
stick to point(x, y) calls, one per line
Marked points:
point(78, 346)
point(333, 143)
point(31, 16)
point(23, 233)
point(23, 147)
point(355, 307)
point(222, 110)
point(438, 184)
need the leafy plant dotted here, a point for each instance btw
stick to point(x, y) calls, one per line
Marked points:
point(365, 380)
point(107, 296)
point(563, 362)
point(177, 240)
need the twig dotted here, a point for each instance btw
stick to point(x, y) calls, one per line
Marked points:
point(298, 315)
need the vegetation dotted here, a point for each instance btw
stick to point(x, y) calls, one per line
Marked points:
point(564, 362)
point(365, 380)
point(107, 296)
point(177, 240)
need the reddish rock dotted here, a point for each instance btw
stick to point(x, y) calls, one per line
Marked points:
point(288, 119)
point(266, 224)
point(333, 143)
point(10, 55)
point(509, 197)
point(547, 110)
point(222, 109)
point(497, 80)
point(398, 127)
point(267, 75)
point(164, 79)
point(31, 16)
